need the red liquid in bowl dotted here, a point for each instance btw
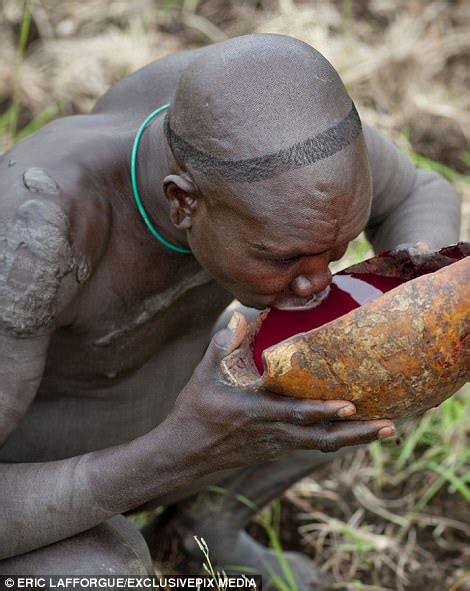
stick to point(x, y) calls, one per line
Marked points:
point(348, 291)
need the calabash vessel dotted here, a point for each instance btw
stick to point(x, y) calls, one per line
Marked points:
point(396, 355)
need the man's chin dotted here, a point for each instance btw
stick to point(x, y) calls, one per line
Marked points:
point(253, 305)
point(256, 305)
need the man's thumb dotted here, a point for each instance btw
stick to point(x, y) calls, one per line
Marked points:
point(228, 339)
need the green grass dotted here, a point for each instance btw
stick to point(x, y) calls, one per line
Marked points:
point(435, 446)
point(219, 578)
point(9, 119)
point(8, 139)
point(9, 133)
point(269, 519)
point(429, 164)
point(13, 113)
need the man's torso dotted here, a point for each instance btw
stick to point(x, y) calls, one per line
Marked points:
point(131, 338)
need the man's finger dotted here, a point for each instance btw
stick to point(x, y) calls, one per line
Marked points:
point(328, 437)
point(301, 412)
point(422, 247)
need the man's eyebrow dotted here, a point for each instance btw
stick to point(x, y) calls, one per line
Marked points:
point(315, 148)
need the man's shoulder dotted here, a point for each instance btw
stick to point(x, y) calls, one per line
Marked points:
point(52, 178)
point(147, 88)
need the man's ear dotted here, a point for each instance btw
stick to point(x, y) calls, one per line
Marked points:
point(181, 194)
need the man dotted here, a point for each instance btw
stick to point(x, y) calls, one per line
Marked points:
point(122, 242)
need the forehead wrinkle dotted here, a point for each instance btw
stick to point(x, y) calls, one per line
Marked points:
point(294, 245)
point(301, 231)
point(299, 207)
point(280, 214)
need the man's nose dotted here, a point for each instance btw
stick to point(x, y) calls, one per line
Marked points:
point(308, 283)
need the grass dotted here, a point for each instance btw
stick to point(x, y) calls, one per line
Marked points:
point(369, 516)
point(437, 444)
point(8, 137)
point(429, 164)
point(269, 520)
point(219, 578)
point(12, 114)
point(9, 119)
point(9, 133)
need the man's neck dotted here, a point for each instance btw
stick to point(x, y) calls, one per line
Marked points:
point(152, 168)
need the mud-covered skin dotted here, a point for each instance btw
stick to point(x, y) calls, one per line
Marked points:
point(113, 325)
point(37, 257)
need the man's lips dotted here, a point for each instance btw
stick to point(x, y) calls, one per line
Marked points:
point(302, 303)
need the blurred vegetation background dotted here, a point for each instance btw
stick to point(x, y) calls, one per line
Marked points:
point(389, 517)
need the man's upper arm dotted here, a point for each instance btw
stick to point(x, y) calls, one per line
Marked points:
point(21, 366)
point(393, 174)
point(37, 280)
point(408, 204)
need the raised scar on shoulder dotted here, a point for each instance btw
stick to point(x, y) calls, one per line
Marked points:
point(35, 255)
point(37, 180)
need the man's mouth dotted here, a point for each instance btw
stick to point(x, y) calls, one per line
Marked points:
point(294, 303)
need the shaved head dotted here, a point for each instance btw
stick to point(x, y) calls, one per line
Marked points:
point(257, 106)
point(277, 176)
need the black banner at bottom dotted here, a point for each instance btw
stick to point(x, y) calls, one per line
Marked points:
point(103, 582)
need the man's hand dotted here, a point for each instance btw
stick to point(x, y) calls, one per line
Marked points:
point(220, 426)
point(414, 249)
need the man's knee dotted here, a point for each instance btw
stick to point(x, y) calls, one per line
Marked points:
point(114, 547)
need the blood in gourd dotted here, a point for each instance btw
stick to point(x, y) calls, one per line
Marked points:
point(347, 292)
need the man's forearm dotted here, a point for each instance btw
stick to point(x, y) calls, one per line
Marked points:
point(42, 503)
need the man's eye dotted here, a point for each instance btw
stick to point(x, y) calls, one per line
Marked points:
point(288, 260)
